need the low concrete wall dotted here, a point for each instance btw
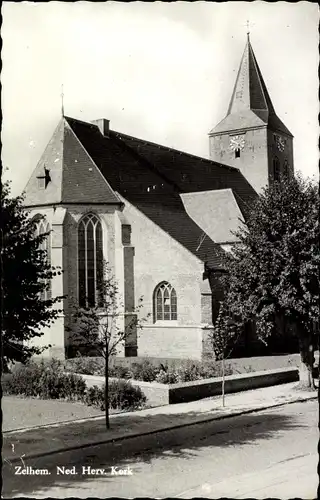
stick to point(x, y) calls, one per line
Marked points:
point(199, 389)
point(163, 394)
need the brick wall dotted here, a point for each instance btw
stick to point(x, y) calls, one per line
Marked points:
point(170, 341)
point(55, 335)
point(253, 161)
point(160, 258)
point(139, 265)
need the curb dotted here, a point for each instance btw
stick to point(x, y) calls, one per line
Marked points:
point(67, 422)
point(167, 428)
point(46, 426)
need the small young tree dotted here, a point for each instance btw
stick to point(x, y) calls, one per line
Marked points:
point(26, 275)
point(222, 337)
point(105, 327)
point(274, 270)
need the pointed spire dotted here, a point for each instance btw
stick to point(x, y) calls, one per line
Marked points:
point(62, 104)
point(250, 91)
point(250, 103)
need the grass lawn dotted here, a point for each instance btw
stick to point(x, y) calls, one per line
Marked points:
point(19, 412)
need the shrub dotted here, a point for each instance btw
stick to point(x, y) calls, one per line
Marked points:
point(86, 365)
point(122, 396)
point(120, 372)
point(189, 371)
point(62, 386)
point(211, 370)
point(23, 380)
point(184, 371)
point(144, 371)
point(95, 397)
point(167, 377)
point(44, 380)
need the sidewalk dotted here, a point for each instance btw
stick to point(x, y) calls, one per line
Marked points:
point(57, 438)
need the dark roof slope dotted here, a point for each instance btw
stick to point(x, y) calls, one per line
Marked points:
point(142, 184)
point(191, 173)
point(82, 182)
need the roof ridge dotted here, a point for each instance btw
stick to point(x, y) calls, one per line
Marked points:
point(207, 191)
point(176, 150)
point(80, 121)
point(221, 165)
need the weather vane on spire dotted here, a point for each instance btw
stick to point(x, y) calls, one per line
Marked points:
point(248, 28)
point(62, 105)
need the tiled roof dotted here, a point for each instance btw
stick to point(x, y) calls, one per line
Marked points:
point(216, 212)
point(191, 173)
point(74, 177)
point(250, 103)
point(82, 181)
point(144, 185)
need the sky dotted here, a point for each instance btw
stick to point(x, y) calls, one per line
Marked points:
point(163, 72)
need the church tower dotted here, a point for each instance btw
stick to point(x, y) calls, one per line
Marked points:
point(251, 137)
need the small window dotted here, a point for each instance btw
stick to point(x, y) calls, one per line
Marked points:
point(276, 169)
point(165, 303)
point(237, 153)
point(286, 168)
point(41, 182)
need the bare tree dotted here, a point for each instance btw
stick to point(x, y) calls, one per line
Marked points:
point(222, 337)
point(106, 326)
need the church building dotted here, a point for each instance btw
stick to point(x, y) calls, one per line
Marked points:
point(161, 218)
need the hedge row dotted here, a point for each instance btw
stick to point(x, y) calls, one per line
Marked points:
point(47, 380)
point(148, 372)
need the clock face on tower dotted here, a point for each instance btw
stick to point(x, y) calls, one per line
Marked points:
point(279, 142)
point(236, 142)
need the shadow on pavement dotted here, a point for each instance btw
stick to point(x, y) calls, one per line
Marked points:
point(183, 443)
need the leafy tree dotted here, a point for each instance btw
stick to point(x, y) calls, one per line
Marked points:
point(223, 336)
point(274, 270)
point(105, 327)
point(26, 274)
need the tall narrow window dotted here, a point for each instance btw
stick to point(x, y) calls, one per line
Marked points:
point(237, 153)
point(43, 227)
point(286, 168)
point(276, 169)
point(90, 260)
point(165, 303)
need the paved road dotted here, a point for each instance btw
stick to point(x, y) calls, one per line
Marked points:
point(266, 454)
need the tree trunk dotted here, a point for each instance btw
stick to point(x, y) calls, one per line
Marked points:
point(306, 362)
point(106, 392)
point(223, 382)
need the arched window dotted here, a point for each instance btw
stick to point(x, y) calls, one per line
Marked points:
point(237, 153)
point(165, 302)
point(286, 168)
point(276, 169)
point(43, 227)
point(90, 260)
